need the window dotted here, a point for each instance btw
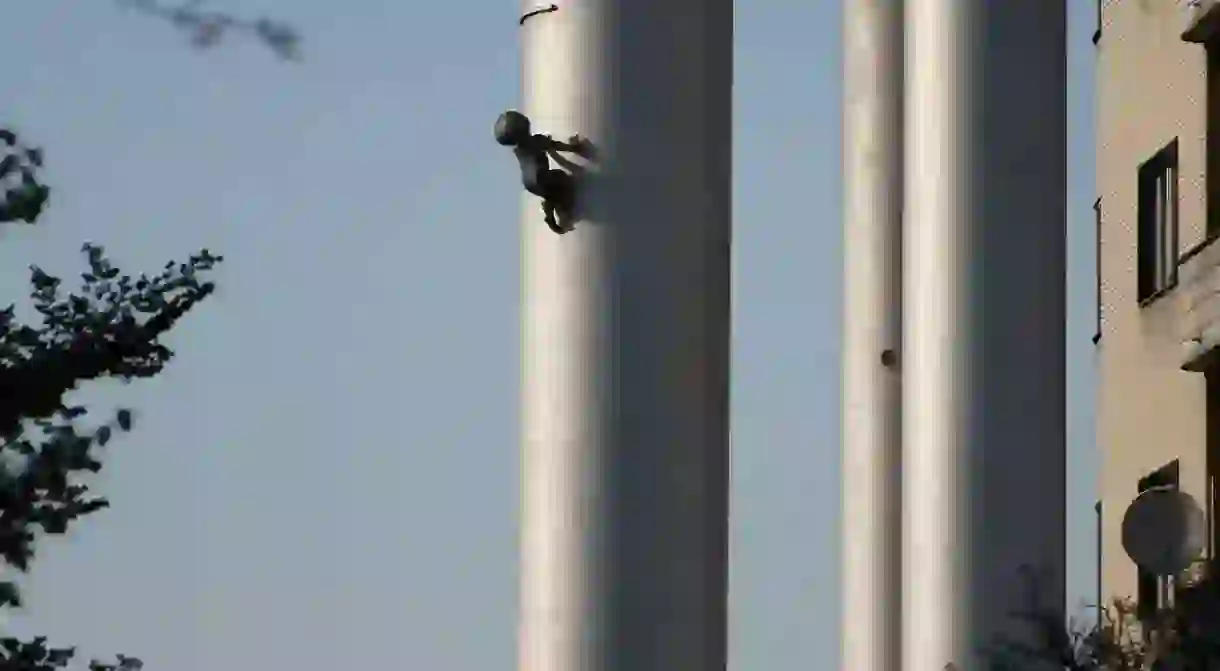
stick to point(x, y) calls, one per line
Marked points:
point(1100, 546)
point(1097, 30)
point(1152, 591)
point(1158, 223)
point(1212, 462)
point(1212, 143)
point(1097, 269)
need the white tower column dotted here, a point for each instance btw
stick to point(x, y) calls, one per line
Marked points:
point(625, 353)
point(872, 323)
point(983, 323)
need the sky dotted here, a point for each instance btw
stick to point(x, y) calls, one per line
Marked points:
point(326, 476)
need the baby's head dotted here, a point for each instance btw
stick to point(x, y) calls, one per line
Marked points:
point(512, 128)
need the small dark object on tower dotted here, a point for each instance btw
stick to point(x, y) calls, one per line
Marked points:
point(556, 188)
point(889, 358)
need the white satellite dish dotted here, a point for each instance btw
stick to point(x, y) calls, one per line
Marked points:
point(1164, 531)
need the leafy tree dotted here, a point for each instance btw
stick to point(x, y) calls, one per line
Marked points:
point(205, 28)
point(110, 327)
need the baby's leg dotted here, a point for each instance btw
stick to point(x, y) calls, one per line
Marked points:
point(548, 215)
point(562, 185)
point(562, 188)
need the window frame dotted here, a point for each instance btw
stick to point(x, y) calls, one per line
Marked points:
point(1158, 242)
point(1097, 277)
point(1097, 29)
point(1099, 509)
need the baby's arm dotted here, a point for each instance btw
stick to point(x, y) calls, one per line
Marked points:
point(575, 144)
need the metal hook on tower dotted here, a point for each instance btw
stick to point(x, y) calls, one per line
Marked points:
point(536, 12)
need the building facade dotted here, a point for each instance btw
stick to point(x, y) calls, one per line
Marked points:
point(1158, 308)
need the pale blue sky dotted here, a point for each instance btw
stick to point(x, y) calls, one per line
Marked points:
point(326, 477)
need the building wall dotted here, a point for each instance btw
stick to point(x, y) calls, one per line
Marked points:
point(1151, 89)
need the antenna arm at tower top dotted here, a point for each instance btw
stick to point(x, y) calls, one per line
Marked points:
point(535, 12)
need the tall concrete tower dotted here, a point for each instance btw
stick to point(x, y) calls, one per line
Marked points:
point(872, 324)
point(983, 420)
point(625, 361)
